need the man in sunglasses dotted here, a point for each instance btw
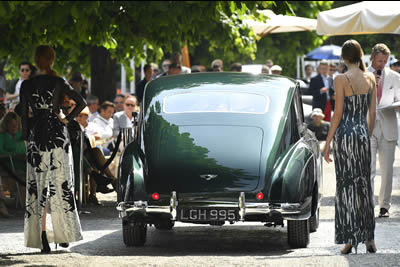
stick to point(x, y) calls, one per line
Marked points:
point(124, 119)
point(12, 95)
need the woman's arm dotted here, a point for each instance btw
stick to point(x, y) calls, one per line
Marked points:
point(66, 89)
point(24, 108)
point(337, 115)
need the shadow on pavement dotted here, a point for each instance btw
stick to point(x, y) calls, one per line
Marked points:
point(195, 240)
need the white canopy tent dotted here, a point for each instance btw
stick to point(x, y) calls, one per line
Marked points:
point(281, 23)
point(370, 17)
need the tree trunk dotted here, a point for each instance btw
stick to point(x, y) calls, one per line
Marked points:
point(102, 72)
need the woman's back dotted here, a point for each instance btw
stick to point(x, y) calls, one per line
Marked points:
point(357, 87)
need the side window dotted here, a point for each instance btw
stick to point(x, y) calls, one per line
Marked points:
point(295, 136)
point(298, 106)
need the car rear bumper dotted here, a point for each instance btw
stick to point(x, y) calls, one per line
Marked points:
point(286, 211)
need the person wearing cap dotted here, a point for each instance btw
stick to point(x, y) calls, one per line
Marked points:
point(395, 65)
point(276, 70)
point(318, 125)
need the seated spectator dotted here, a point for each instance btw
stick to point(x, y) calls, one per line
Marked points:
point(217, 65)
point(265, 69)
point(93, 105)
point(165, 65)
point(177, 59)
point(119, 102)
point(124, 119)
point(102, 127)
point(198, 68)
point(93, 158)
point(269, 63)
point(12, 141)
point(156, 70)
point(12, 144)
point(174, 69)
point(318, 125)
point(276, 70)
point(236, 67)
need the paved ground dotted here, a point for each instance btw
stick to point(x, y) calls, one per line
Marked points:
point(241, 244)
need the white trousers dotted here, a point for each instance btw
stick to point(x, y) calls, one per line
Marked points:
point(386, 150)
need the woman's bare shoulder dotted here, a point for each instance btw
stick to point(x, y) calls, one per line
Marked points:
point(369, 75)
point(340, 78)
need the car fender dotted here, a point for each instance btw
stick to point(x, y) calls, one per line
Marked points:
point(293, 177)
point(132, 173)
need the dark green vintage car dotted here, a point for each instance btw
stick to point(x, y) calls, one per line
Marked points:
point(212, 148)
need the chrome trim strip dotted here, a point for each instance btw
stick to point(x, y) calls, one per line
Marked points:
point(173, 205)
point(287, 210)
point(242, 206)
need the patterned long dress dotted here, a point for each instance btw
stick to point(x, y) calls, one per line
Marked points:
point(354, 206)
point(50, 172)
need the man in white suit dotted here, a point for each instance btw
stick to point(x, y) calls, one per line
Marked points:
point(384, 136)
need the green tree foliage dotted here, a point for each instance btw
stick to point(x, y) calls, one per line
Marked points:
point(123, 27)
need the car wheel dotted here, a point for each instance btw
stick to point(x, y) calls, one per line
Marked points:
point(134, 233)
point(314, 221)
point(164, 225)
point(298, 233)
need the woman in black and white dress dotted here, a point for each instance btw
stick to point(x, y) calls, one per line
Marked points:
point(49, 157)
point(350, 131)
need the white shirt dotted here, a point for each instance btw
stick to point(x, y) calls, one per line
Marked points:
point(121, 120)
point(17, 90)
point(100, 126)
point(93, 116)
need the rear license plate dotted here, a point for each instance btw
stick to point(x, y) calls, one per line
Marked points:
point(208, 214)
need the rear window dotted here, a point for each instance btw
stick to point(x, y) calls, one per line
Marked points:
point(211, 101)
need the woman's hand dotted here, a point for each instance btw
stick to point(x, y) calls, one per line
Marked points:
point(62, 119)
point(327, 151)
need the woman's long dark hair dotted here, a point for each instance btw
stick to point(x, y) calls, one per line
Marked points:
point(44, 58)
point(353, 53)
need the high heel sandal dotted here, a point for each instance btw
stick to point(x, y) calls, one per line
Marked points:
point(63, 245)
point(45, 243)
point(370, 246)
point(347, 249)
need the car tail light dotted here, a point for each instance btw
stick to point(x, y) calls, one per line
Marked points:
point(155, 196)
point(260, 196)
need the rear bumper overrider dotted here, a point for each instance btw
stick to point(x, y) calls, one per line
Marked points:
point(288, 211)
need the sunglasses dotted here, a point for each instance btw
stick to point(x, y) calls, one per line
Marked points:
point(25, 70)
point(130, 105)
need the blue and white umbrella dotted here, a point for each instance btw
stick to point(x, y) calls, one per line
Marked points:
point(325, 52)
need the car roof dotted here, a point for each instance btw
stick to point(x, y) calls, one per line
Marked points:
point(237, 81)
